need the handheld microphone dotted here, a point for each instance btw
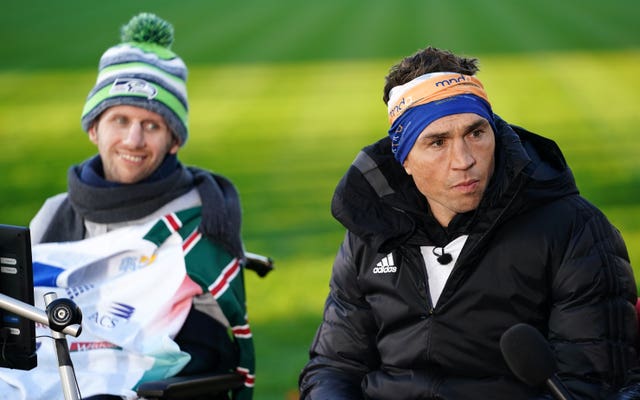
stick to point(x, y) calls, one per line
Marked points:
point(529, 357)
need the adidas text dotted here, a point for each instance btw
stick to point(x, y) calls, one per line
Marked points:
point(385, 266)
point(384, 270)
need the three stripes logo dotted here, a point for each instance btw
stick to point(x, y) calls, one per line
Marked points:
point(386, 265)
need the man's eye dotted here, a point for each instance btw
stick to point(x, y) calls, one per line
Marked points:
point(121, 120)
point(151, 126)
point(437, 143)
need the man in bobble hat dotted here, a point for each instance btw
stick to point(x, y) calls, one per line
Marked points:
point(137, 116)
point(463, 230)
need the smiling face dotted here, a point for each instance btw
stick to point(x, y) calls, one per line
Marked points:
point(452, 162)
point(132, 142)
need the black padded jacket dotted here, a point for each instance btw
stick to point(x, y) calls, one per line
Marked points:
point(537, 252)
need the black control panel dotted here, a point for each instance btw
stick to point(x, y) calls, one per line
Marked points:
point(17, 334)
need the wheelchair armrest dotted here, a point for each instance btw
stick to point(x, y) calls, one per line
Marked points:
point(184, 387)
point(262, 265)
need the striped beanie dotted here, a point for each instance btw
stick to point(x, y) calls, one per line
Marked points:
point(142, 71)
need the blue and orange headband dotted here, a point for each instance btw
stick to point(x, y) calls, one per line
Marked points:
point(416, 104)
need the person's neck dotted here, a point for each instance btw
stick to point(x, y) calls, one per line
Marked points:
point(442, 216)
point(452, 225)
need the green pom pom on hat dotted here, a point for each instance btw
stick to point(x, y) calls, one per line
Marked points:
point(147, 28)
point(142, 71)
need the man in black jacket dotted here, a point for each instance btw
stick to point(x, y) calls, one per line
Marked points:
point(460, 226)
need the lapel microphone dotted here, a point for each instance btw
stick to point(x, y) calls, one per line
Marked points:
point(442, 258)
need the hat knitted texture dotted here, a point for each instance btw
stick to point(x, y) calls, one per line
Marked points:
point(142, 71)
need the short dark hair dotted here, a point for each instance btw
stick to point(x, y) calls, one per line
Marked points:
point(425, 61)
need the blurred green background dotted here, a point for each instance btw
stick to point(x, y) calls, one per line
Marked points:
point(283, 94)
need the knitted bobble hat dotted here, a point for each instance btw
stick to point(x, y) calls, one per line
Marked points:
point(142, 71)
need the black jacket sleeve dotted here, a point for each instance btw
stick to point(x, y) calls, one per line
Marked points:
point(593, 322)
point(343, 350)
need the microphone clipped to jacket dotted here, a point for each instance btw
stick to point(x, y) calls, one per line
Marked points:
point(443, 258)
point(530, 358)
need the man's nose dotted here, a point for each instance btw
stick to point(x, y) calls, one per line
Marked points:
point(134, 136)
point(462, 157)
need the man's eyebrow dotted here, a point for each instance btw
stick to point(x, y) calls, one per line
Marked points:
point(477, 124)
point(434, 135)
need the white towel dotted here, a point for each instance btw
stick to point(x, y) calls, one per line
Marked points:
point(134, 298)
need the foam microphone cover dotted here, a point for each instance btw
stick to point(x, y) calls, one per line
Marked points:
point(528, 354)
point(445, 258)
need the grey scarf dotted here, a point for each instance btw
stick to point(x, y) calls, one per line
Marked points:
point(221, 213)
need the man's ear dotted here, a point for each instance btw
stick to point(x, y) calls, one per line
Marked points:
point(175, 146)
point(93, 133)
point(406, 167)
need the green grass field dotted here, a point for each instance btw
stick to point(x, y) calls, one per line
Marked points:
point(283, 96)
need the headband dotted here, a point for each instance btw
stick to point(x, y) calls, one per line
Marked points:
point(415, 104)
